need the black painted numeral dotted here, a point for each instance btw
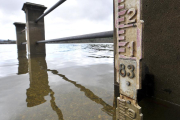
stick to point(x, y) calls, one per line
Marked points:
point(122, 71)
point(131, 68)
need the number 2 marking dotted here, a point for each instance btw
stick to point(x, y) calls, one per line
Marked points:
point(133, 11)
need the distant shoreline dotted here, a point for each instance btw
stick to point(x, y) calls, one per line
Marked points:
point(8, 43)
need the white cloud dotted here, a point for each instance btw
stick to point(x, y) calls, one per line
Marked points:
point(73, 17)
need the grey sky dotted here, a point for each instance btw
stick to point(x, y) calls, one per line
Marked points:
point(73, 17)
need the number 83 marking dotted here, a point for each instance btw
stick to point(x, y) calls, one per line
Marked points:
point(122, 71)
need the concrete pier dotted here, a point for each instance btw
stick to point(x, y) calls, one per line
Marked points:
point(152, 30)
point(35, 31)
point(161, 49)
point(21, 37)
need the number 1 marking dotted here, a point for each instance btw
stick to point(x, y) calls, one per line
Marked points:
point(131, 47)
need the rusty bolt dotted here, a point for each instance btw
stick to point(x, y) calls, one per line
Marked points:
point(128, 102)
point(128, 83)
point(129, 66)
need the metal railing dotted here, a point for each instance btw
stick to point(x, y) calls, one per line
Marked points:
point(73, 38)
point(80, 37)
point(51, 9)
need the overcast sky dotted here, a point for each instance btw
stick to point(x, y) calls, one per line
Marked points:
point(73, 17)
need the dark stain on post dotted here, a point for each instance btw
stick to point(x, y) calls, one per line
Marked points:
point(168, 91)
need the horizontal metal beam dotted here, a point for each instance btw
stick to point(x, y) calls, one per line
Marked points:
point(51, 9)
point(23, 43)
point(81, 37)
point(23, 30)
point(96, 40)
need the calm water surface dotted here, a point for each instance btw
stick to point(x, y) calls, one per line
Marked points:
point(72, 82)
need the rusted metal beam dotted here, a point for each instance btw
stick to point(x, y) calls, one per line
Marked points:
point(51, 9)
point(81, 37)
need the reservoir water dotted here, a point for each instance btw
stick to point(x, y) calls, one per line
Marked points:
point(72, 82)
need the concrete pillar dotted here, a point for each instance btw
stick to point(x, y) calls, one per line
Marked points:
point(161, 61)
point(35, 31)
point(162, 48)
point(21, 37)
point(156, 51)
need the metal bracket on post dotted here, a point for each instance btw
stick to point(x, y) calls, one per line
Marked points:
point(128, 26)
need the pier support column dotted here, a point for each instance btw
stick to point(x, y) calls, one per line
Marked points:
point(21, 37)
point(149, 58)
point(35, 31)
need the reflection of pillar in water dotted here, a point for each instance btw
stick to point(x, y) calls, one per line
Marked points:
point(38, 81)
point(39, 87)
point(106, 107)
point(23, 65)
